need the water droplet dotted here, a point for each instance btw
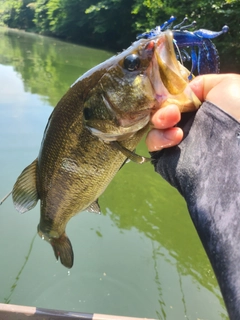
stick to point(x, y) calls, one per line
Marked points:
point(69, 273)
point(42, 237)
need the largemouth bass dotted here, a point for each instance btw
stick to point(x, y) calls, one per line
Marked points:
point(92, 131)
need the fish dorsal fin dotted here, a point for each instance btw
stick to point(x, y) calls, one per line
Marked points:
point(130, 154)
point(94, 207)
point(24, 194)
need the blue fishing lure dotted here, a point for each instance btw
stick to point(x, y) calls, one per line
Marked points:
point(206, 60)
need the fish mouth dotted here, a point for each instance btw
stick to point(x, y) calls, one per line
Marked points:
point(169, 78)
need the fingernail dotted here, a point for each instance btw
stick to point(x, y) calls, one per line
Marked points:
point(170, 134)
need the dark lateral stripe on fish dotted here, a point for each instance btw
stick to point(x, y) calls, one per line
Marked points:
point(24, 194)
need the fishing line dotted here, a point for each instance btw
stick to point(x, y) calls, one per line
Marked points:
point(1, 202)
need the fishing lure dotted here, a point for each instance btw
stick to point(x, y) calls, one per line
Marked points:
point(206, 60)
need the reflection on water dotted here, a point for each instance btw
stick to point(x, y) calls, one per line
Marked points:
point(141, 257)
point(161, 313)
point(8, 298)
point(47, 66)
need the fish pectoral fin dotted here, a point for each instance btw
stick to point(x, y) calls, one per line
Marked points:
point(130, 154)
point(24, 194)
point(63, 249)
point(94, 207)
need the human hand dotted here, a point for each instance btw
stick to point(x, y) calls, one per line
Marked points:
point(222, 90)
point(204, 168)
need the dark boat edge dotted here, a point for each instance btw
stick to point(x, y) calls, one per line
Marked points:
point(16, 312)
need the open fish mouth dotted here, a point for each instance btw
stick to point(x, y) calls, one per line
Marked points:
point(169, 78)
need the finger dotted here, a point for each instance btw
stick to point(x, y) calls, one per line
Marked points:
point(159, 139)
point(202, 85)
point(166, 117)
point(222, 90)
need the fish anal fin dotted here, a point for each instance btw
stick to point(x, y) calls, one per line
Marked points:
point(94, 207)
point(24, 194)
point(63, 249)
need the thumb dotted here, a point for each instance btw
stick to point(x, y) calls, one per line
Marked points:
point(202, 85)
point(222, 90)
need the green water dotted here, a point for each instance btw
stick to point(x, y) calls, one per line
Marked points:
point(141, 257)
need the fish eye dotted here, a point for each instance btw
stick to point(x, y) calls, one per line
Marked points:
point(87, 114)
point(131, 62)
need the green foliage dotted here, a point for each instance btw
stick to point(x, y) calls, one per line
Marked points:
point(114, 24)
point(148, 14)
point(40, 16)
point(63, 18)
point(17, 13)
point(111, 22)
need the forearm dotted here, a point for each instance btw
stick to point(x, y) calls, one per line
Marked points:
point(204, 167)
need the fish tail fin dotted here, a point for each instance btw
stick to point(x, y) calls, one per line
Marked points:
point(62, 248)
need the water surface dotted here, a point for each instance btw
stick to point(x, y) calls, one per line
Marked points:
point(141, 257)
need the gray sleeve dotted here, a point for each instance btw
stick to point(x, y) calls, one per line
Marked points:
point(205, 168)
